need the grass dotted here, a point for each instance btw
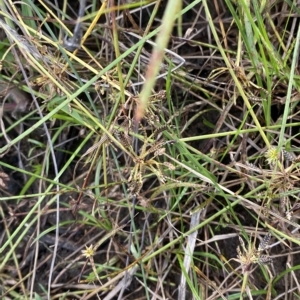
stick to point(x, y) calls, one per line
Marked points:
point(159, 160)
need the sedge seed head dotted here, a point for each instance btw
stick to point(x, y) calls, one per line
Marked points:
point(88, 252)
point(272, 156)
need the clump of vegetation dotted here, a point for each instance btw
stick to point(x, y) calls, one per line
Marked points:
point(142, 143)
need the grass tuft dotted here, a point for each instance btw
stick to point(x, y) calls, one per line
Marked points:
point(149, 149)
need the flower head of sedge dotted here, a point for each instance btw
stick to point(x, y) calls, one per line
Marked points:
point(272, 156)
